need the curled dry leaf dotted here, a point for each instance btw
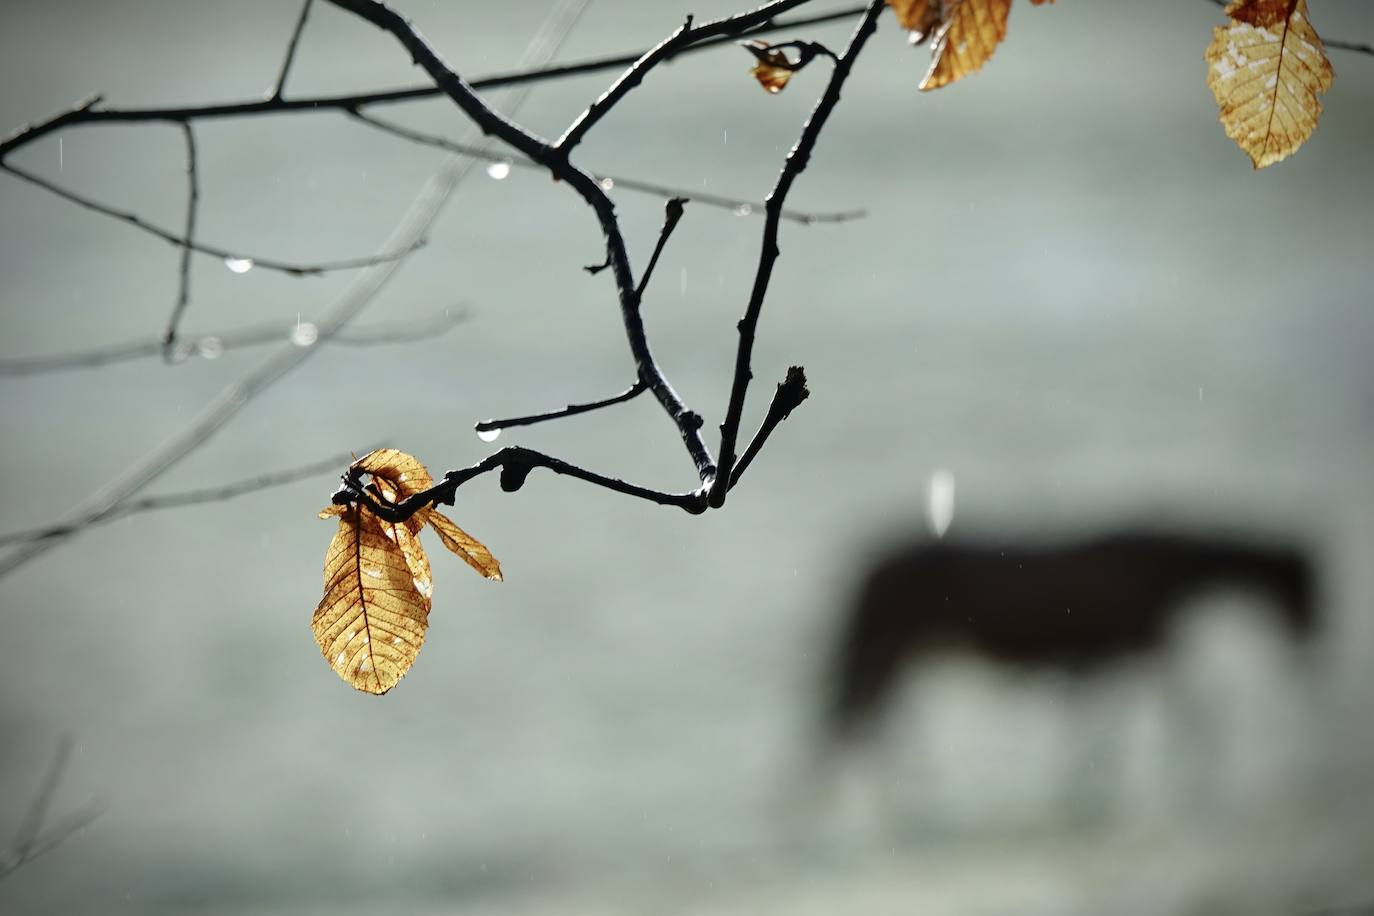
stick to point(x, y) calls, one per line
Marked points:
point(966, 34)
point(918, 17)
point(773, 67)
point(473, 552)
point(378, 585)
point(371, 622)
point(1265, 69)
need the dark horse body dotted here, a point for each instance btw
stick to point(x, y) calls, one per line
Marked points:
point(1075, 607)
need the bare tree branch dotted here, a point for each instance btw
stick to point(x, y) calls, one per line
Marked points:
point(290, 52)
point(32, 841)
point(796, 163)
point(184, 279)
point(672, 213)
point(84, 113)
point(490, 426)
point(215, 343)
point(791, 392)
point(736, 205)
point(515, 464)
point(424, 210)
point(223, 254)
point(220, 493)
point(492, 122)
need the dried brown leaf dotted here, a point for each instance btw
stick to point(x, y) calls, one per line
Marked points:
point(1265, 69)
point(371, 622)
point(773, 68)
point(968, 33)
point(472, 551)
point(919, 17)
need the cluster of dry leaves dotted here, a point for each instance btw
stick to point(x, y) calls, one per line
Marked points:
point(378, 588)
point(1265, 68)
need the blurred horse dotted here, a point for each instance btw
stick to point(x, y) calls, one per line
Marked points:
point(1077, 608)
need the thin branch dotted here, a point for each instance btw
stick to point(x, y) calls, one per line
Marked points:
point(684, 37)
point(791, 392)
point(515, 464)
point(32, 825)
point(736, 205)
point(133, 219)
point(424, 210)
point(672, 213)
point(32, 840)
point(290, 52)
point(634, 391)
point(169, 336)
point(215, 343)
point(492, 122)
point(215, 494)
point(796, 162)
point(83, 113)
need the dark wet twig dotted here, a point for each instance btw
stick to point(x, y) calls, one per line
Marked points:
point(791, 392)
point(237, 339)
point(290, 52)
point(86, 113)
point(634, 391)
point(214, 494)
point(736, 205)
point(169, 336)
point(672, 213)
point(31, 840)
point(516, 463)
point(287, 267)
point(796, 163)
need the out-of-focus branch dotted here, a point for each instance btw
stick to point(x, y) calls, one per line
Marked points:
point(736, 205)
point(31, 840)
point(223, 254)
point(214, 344)
point(413, 226)
point(214, 494)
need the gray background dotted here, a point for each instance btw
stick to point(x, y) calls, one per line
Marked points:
point(1071, 291)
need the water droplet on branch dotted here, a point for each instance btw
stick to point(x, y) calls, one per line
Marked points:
point(498, 170)
point(239, 265)
point(488, 435)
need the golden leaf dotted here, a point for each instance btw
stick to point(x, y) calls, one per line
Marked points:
point(378, 584)
point(969, 32)
point(1265, 69)
point(472, 551)
point(405, 475)
point(919, 17)
point(371, 622)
